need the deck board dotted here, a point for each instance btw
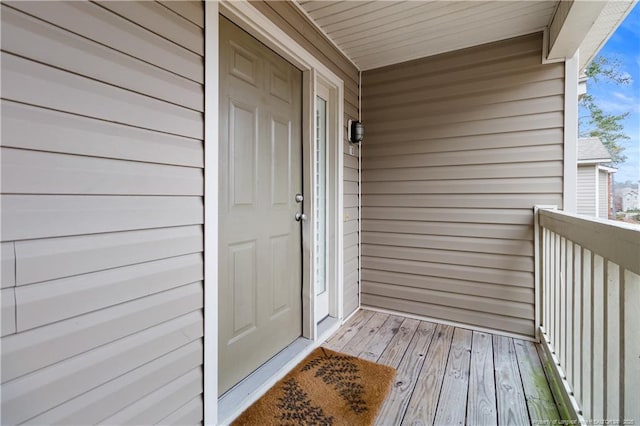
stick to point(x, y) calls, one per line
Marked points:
point(407, 375)
point(481, 405)
point(536, 389)
point(456, 381)
point(424, 401)
point(450, 375)
point(512, 406)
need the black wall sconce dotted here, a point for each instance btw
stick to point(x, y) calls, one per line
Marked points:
point(356, 131)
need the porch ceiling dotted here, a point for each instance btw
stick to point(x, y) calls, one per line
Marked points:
point(378, 33)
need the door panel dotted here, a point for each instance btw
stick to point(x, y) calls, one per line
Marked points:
point(260, 173)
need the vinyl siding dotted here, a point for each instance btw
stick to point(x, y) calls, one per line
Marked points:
point(294, 22)
point(460, 147)
point(603, 194)
point(102, 186)
point(586, 188)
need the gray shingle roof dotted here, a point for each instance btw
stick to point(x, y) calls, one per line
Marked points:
point(592, 149)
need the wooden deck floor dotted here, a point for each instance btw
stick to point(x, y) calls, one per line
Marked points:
point(448, 375)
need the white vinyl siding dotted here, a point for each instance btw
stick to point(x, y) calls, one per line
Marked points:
point(460, 147)
point(603, 194)
point(291, 20)
point(102, 202)
point(586, 189)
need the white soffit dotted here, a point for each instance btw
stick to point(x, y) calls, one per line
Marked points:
point(611, 16)
point(374, 34)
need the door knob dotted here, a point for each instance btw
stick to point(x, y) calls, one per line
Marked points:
point(301, 216)
point(299, 198)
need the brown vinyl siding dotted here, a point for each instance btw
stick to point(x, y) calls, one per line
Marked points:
point(294, 22)
point(102, 212)
point(459, 149)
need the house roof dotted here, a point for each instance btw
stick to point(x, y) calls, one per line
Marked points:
point(591, 150)
point(374, 34)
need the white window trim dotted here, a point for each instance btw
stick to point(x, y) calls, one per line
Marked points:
point(252, 21)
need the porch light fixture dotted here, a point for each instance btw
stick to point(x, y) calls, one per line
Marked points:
point(356, 131)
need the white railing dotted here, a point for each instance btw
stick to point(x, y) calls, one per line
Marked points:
point(589, 313)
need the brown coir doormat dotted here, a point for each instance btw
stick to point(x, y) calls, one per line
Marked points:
point(327, 388)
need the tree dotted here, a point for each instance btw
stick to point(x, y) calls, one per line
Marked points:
point(607, 127)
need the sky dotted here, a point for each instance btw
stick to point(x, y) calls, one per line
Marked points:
point(624, 45)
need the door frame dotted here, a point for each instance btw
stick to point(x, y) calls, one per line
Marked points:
point(315, 72)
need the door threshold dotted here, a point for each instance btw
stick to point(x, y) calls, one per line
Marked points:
point(241, 396)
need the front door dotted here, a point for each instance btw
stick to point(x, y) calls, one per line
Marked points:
point(260, 173)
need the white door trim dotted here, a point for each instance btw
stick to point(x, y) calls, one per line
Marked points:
point(211, 68)
point(252, 21)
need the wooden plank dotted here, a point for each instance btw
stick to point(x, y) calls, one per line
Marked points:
point(542, 407)
point(360, 342)
point(33, 172)
point(48, 387)
point(378, 343)
point(43, 216)
point(46, 43)
point(512, 405)
point(395, 350)
point(51, 258)
point(111, 397)
point(424, 401)
point(37, 84)
point(43, 346)
point(50, 301)
point(99, 25)
point(481, 405)
point(8, 266)
point(395, 406)
point(7, 316)
point(453, 395)
point(348, 330)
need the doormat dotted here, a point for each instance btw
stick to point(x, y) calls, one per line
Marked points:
point(326, 388)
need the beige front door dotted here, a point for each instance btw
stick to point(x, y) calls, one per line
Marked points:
point(260, 172)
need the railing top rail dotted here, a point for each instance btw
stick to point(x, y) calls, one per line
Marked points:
point(617, 242)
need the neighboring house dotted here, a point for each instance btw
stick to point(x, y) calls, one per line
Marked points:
point(181, 205)
point(595, 179)
point(630, 200)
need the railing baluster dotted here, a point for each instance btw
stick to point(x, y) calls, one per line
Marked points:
point(587, 333)
point(568, 313)
point(612, 344)
point(598, 338)
point(630, 369)
point(577, 322)
point(590, 290)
